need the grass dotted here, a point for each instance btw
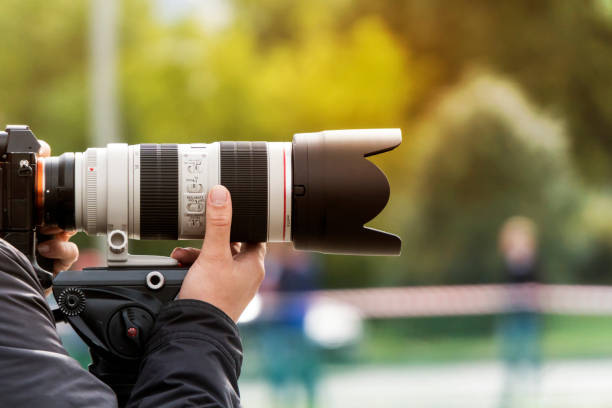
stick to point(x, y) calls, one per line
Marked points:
point(444, 339)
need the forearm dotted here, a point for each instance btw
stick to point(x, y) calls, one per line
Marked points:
point(192, 358)
point(31, 354)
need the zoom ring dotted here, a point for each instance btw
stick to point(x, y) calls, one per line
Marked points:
point(158, 191)
point(244, 171)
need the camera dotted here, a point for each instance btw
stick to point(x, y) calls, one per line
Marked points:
point(317, 192)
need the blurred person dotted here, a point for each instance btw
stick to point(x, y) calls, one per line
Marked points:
point(520, 326)
point(289, 356)
point(193, 356)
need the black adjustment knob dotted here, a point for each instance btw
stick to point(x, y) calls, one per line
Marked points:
point(128, 331)
point(71, 301)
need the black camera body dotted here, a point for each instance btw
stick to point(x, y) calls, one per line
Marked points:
point(18, 183)
point(121, 302)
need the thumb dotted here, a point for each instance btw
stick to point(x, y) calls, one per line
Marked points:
point(45, 149)
point(218, 223)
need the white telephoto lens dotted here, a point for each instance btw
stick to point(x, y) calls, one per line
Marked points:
point(159, 191)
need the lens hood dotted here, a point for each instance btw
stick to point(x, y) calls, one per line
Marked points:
point(337, 190)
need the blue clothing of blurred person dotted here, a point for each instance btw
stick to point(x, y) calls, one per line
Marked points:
point(290, 358)
point(520, 326)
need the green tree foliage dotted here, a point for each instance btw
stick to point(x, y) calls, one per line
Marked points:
point(558, 50)
point(227, 86)
point(474, 152)
point(44, 68)
point(486, 156)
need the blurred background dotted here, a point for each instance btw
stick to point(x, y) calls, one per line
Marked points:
point(501, 188)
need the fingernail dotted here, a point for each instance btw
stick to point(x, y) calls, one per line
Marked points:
point(218, 196)
point(43, 248)
point(178, 252)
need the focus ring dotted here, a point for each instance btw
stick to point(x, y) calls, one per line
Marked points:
point(91, 207)
point(244, 171)
point(158, 191)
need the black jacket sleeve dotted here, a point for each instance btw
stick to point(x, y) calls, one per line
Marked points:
point(192, 359)
point(35, 370)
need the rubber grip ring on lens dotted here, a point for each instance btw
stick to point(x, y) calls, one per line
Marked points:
point(59, 191)
point(244, 171)
point(158, 191)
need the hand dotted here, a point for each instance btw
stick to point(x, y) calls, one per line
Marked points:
point(226, 275)
point(63, 252)
point(59, 248)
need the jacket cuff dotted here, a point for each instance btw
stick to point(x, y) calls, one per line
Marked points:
point(195, 319)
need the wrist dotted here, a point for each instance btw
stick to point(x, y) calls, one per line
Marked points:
point(223, 305)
